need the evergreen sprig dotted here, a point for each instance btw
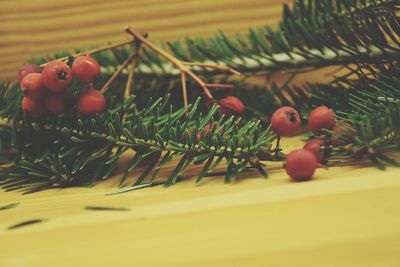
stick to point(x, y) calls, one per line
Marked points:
point(58, 154)
point(360, 35)
point(369, 109)
point(311, 34)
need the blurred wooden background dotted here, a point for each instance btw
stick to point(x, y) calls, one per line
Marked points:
point(35, 28)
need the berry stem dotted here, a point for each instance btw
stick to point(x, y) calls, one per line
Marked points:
point(134, 63)
point(278, 140)
point(117, 72)
point(129, 59)
point(184, 93)
point(93, 51)
point(219, 85)
point(181, 65)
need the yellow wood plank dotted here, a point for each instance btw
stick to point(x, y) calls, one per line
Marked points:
point(347, 216)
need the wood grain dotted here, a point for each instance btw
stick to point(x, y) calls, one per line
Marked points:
point(347, 216)
point(36, 28)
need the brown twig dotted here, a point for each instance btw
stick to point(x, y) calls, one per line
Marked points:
point(93, 51)
point(130, 59)
point(117, 72)
point(134, 63)
point(184, 92)
point(219, 85)
point(181, 65)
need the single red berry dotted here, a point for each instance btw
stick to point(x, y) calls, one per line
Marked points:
point(85, 69)
point(316, 146)
point(231, 105)
point(32, 107)
point(341, 134)
point(58, 103)
point(300, 165)
point(26, 69)
point(32, 86)
point(285, 121)
point(320, 119)
point(57, 76)
point(91, 102)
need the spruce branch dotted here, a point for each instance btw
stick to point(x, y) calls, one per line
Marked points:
point(312, 34)
point(88, 150)
point(361, 36)
point(369, 109)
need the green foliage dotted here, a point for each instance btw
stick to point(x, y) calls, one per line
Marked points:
point(62, 151)
point(360, 35)
point(311, 34)
point(369, 112)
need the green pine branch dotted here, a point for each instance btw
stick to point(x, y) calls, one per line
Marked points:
point(312, 34)
point(360, 35)
point(83, 151)
point(369, 101)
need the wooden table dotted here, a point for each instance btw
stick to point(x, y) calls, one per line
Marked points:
point(347, 216)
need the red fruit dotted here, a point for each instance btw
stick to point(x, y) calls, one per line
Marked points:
point(58, 103)
point(26, 69)
point(342, 134)
point(57, 76)
point(316, 146)
point(86, 69)
point(32, 85)
point(231, 105)
point(321, 118)
point(33, 107)
point(300, 165)
point(285, 121)
point(91, 102)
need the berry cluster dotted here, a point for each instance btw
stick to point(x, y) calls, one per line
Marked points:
point(48, 89)
point(301, 164)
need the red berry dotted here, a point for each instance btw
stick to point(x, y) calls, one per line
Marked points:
point(342, 134)
point(32, 85)
point(58, 103)
point(26, 69)
point(321, 118)
point(33, 107)
point(57, 76)
point(91, 102)
point(231, 105)
point(86, 69)
point(300, 165)
point(285, 121)
point(316, 147)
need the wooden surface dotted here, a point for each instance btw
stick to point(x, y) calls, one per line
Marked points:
point(347, 216)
